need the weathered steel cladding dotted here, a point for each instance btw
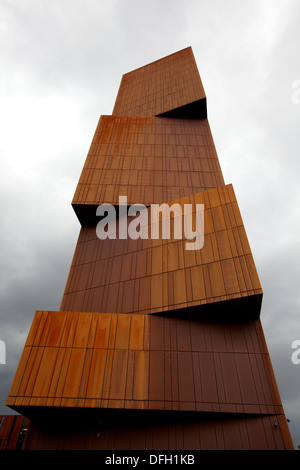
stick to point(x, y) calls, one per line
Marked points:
point(148, 159)
point(144, 362)
point(161, 275)
point(13, 430)
point(161, 345)
point(165, 85)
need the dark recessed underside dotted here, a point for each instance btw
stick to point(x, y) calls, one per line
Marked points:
point(195, 110)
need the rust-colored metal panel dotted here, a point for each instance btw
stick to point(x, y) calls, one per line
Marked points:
point(155, 275)
point(166, 85)
point(13, 430)
point(111, 171)
point(128, 362)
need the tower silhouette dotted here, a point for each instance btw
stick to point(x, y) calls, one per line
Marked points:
point(155, 346)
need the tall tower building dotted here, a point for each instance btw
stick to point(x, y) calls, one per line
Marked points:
point(158, 342)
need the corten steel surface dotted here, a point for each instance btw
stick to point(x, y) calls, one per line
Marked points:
point(161, 275)
point(132, 361)
point(155, 346)
point(13, 429)
point(148, 159)
point(170, 86)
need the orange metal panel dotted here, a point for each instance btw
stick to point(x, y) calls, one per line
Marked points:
point(213, 373)
point(96, 375)
point(105, 185)
point(46, 369)
point(155, 88)
point(234, 276)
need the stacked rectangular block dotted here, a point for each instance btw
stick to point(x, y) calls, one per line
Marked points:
point(143, 362)
point(146, 326)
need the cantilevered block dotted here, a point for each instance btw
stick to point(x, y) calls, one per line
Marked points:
point(122, 275)
point(148, 160)
point(170, 86)
point(143, 362)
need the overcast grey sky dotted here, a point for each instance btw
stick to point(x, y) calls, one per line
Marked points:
point(61, 62)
